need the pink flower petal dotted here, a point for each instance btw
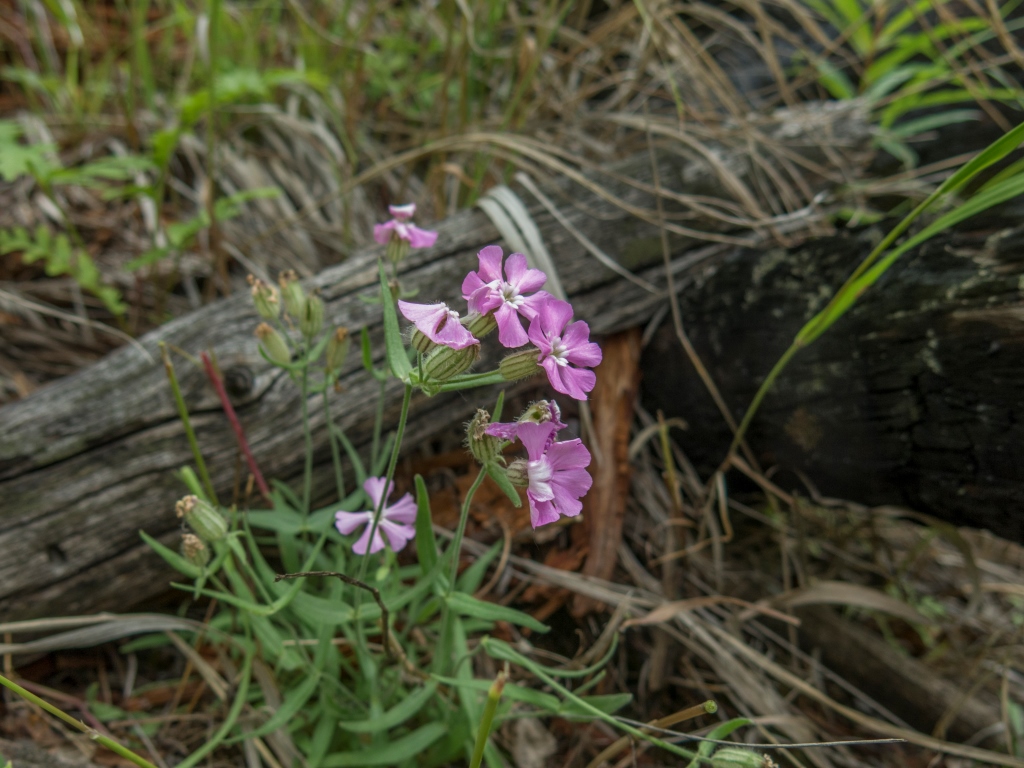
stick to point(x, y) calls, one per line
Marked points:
point(402, 212)
point(484, 299)
point(567, 455)
point(420, 238)
point(455, 335)
point(470, 286)
point(510, 328)
point(535, 438)
point(522, 278)
point(398, 535)
point(553, 315)
point(374, 487)
point(382, 232)
point(347, 522)
point(404, 510)
point(531, 304)
point(361, 544)
point(567, 498)
point(429, 314)
point(490, 263)
point(541, 512)
point(574, 382)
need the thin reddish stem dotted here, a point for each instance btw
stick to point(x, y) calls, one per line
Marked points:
point(236, 425)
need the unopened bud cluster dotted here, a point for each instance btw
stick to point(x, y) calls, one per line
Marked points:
point(304, 312)
point(193, 550)
point(734, 757)
point(445, 363)
point(204, 520)
point(484, 447)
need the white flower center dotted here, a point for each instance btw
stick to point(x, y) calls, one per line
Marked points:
point(540, 473)
point(511, 295)
point(559, 351)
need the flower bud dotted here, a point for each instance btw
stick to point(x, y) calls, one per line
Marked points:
point(291, 291)
point(444, 362)
point(541, 412)
point(265, 298)
point(520, 365)
point(517, 473)
point(311, 321)
point(337, 349)
point(484, 447)
point(733, 757)
point(398, 248)
point(193, 550)
point(480, 325)
point(274, 344)
point(421, 343)
point(208, 524)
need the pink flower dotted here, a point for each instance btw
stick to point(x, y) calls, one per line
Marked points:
point(438, 323)
point(396, 521)
point(561, 343)
point(541, 412)
point(557, 473)
point(487, 291)
point(402, 228)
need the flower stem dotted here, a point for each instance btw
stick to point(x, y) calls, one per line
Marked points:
point(107, 742)
point(339, 474)
point(460, 532)
point(179, 401)
point(389, 476)
point(307, 475)
point(444, 654)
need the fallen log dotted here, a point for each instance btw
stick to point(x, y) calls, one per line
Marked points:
point(87, 461)
point(914, 398)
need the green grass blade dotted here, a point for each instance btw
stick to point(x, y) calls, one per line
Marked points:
point(426, 542)
point(391, 753)
point(398, 357)
point(395, 716)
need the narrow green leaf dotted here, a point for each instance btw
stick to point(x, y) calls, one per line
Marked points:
point(395, 716)
point(469, 581)
point(173, 559)
point(531, 696)
point(466, 605)
point(497, 474)
point(323, 734)
point(722, 732)
point(391, 753)
point(398, 357)
point(605, 702)
point(426, 543)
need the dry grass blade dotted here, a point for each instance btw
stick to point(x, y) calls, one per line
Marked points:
point(843, 593)
point(102, 628)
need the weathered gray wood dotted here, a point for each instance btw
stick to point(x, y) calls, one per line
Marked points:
point(86, 462)
point(916, 397)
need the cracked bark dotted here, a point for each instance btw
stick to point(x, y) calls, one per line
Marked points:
point(916, 397)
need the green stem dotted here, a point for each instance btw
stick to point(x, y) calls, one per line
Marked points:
point(473, 380)
point(460, 532)
point(339, 474)
point(761, 392)
point(388, 476)
point(487, 718)
point(186, 422)
point(444, 655)
point(307, 474)
point(378, 425)
point(99, 738)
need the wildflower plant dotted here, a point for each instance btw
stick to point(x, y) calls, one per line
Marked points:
point(373, 654)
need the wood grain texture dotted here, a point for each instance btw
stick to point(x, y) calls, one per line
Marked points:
point(915, 397)
point(604, 506)
point(87, 461)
